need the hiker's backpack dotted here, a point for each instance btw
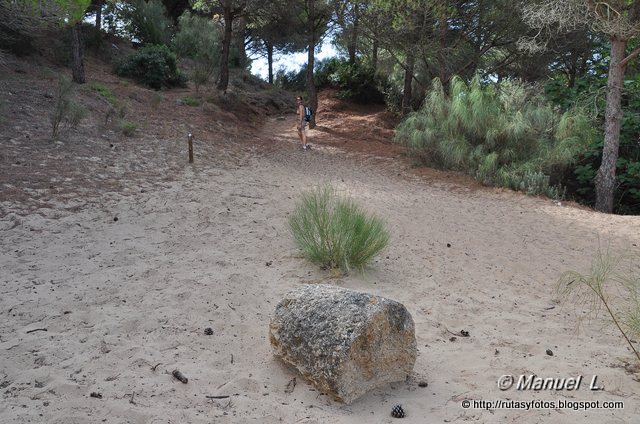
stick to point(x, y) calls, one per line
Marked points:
point(307, 113)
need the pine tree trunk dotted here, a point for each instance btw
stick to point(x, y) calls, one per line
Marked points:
point(353, 41)
point(77, 61)
point(223, 81)
point(239, 41)
point(606, 176)
point(442, 70)
point(408, 79)
point(311, 87)
point(270, 61)
point(374, 55)
point(99, 14)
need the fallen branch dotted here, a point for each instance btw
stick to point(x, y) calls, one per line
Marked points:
point(462, 333)
point(218, 397)
point(291, 385)
point(37, 329)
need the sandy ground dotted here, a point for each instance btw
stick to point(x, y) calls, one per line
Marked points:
point(111, 296)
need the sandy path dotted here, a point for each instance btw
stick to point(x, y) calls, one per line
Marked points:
point(118, 297)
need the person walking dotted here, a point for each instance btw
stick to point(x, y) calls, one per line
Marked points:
point(301, 123)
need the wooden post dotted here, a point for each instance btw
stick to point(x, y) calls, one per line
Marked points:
point(190, 148)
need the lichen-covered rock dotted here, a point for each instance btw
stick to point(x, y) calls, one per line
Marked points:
point(344, 342)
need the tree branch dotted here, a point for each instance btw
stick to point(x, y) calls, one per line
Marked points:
point(630, 57)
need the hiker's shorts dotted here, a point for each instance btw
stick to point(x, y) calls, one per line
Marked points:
point(302, 125)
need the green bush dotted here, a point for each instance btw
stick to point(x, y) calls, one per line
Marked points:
point(587, 93)
point(199, 40)
point(292, 80)
point(128, 128)
point(499, 134)
point(356, 81)
point(334, 232)
point(147, 22)
point(191, 101)
point(67, 113)
point(154, 66)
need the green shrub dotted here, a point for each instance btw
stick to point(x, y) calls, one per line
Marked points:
point(66, 113)
point(587, 93)
point(499, 134)
point(128, 128)
point(199, 40)
point(356, 81)
point(191, 101)
point(154, 66)
point(146, 21)
point(292, 80)
point(334, 232)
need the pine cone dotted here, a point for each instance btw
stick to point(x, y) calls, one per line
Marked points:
point(397, 411)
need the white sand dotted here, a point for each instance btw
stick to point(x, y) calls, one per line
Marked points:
point(118, 297)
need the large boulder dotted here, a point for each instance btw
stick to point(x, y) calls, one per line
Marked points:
point(343, 341)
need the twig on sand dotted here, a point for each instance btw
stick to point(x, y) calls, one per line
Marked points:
point(462, 333)
point(132, 396)
point(232, 358)
point(291, 385)
point(218, 397)
point(37, 329)
point(155, 367)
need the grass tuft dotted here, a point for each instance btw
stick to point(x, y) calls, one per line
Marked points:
point(334, 232)
point(128, 128)
point(191, 101)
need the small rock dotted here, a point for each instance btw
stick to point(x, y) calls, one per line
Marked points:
point(423, 384)
point(208, 331)
point(96, 395)
point(115, 219)
point(549, 352)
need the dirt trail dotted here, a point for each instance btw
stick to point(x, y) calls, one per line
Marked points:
point(131, 280)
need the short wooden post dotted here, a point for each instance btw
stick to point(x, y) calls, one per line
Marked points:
point(190, 148)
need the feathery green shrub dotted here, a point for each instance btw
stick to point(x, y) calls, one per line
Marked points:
point(499, 134)
point(611, 286)
point(334, 232)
